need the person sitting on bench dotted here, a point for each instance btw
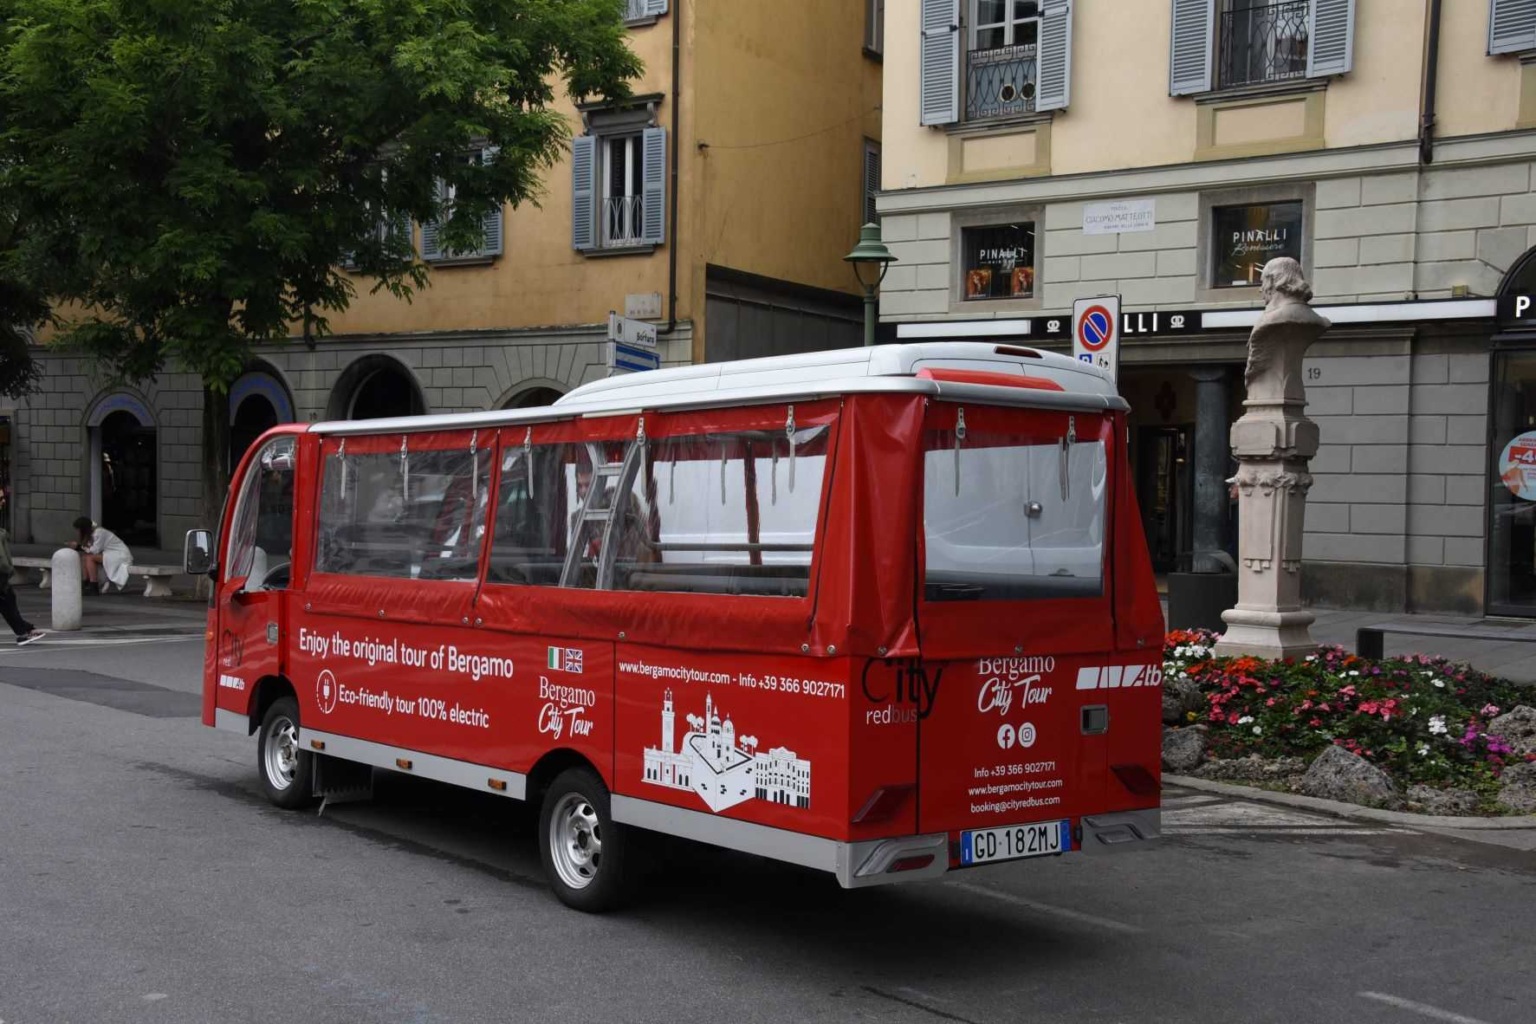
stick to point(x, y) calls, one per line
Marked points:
point(103, 555)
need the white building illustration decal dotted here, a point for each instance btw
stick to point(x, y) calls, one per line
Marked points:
point(722, 768)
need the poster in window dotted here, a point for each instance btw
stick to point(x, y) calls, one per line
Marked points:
point(1247, 237)
point(999, 261)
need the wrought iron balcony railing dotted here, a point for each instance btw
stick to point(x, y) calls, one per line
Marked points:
point(622, 220)
point(1263, 44)
point(1000, 82)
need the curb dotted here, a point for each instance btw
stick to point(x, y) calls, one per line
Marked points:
point(1339, 809)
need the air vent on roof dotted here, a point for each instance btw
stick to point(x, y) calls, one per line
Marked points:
point(1014, 350)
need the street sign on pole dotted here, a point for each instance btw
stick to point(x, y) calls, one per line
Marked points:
point(631, 359)
point(1096, 332)
point(631, 332)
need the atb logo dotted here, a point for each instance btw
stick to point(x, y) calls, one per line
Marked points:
point(1023, 736)
point(326, 692)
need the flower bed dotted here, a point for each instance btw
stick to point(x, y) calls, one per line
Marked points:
point(1423, 721)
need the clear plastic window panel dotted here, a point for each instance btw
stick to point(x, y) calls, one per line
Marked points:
point(414, 515)
point(1013, 518)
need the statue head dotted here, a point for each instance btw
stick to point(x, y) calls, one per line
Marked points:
point(1282, 283)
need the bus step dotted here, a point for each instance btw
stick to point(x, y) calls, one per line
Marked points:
point(341, 782)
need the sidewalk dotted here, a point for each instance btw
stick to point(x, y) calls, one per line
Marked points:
point(129, 611)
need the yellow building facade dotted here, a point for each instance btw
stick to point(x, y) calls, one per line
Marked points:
point(1041, 153)
point(716, 205)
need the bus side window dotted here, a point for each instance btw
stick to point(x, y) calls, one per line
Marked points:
point(533, 510)
point(418, 516)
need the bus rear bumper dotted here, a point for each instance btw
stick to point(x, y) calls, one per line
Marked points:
point(883, 861)
point(1122, 830)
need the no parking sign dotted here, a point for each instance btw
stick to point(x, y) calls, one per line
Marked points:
point(1096, 332)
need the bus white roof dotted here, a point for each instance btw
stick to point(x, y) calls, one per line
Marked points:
point(882, 368)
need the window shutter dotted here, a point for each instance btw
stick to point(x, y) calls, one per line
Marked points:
point(1331, 37)
point(941, 62)
point(871, 181)
point(653, 218)
point(1055, 73)
point(655, 8)
point(1190, 51)
point(490, 224)
point(431, 235)
point(583, 188)
point(1511, 26)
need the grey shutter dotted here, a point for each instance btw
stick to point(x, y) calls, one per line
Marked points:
point(1054, 79)
point(653, 217)
point(583, 188)
point(1330, 37)
point(490, 224)
point(655, 8)
point(431, 235)
point(941, 62)
point(1191, 46)
point(871, 181)
point(1511, 26)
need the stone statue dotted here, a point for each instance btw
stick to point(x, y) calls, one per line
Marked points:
point(1274, 442)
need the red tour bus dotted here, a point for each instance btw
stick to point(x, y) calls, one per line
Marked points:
point(885, 612)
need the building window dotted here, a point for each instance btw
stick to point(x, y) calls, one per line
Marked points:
point(434, 250)
point(1001, 64)
point(1262, 42)
point(871, 181)
point(998, 261)
point(1244, 238)
point(623, 190)
point(874, 26)
point(618, 184)
point(643, 12)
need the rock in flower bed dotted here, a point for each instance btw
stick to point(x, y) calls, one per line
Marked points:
point(1413, 732)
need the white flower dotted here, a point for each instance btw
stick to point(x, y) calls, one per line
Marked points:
point(1353, 672)
point(1258, 730)
point(1245, 720)
point(1440, 683)
point(1311, 657)
point(1437, 725)
point(1423, 749)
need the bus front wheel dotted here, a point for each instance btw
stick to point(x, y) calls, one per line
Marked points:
point(580, 846)
point(286, 771)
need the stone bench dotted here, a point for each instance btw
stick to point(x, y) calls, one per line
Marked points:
point(1370, 641)
point(156, 577)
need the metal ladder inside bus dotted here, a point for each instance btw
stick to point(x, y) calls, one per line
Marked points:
point(605, 502)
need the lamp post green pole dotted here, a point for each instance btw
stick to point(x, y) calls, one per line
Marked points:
point(870, 260)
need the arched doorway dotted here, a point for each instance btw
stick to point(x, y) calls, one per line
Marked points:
point(124, 469)
point(375, 387)
point(532, 397)
point(258, 401)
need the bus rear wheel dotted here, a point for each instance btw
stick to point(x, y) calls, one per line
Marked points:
point(286, 771)
point(581, 848)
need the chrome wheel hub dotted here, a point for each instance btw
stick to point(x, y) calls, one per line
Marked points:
point(282, 753)
point(576, 841)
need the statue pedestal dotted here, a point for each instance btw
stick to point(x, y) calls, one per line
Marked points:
point(1274, 442)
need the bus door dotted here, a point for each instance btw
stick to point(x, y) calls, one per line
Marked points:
point(255, 573)
point(1013, 602)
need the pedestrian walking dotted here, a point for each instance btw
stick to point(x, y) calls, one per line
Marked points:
point(103, 555)
point(25, 633)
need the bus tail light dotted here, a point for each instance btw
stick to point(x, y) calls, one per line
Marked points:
point(1136, 779)
point(883, 803)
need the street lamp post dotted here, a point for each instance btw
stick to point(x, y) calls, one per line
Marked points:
point(872, 259)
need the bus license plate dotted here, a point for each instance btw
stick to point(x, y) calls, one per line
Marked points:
point(1010, 842)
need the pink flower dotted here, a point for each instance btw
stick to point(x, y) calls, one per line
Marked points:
point(1489, 710)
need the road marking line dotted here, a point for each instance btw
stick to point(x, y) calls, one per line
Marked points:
point(1190, 801)
point(68, 643)
point(1424, 1009)
point(1046, 908)
point(1293, 830)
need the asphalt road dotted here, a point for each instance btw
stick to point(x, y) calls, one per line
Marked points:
point(143, 878)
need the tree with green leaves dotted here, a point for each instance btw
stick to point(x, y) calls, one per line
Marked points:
point(192, 173)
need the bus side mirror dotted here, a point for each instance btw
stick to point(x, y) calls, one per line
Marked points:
point(197, 553)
